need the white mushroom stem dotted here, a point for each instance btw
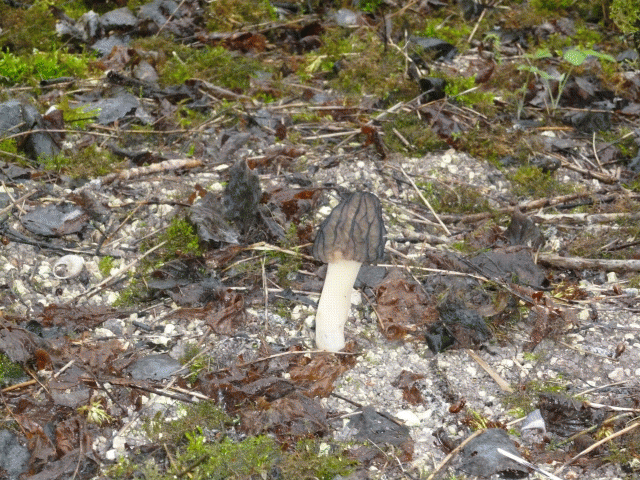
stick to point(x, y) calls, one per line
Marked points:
point(334, 304)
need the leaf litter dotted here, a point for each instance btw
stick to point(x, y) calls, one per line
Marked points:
point(280, 394)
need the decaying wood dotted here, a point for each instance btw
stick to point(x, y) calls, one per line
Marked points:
point(578, 263)
point(166, 166)
point(583, 218)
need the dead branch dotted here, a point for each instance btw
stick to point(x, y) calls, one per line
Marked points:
point(166, 166)
point(578, 263)
point(583, 218)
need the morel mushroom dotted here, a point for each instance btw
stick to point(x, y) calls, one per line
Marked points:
point(351, 235)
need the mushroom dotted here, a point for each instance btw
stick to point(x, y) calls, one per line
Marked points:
point(351, 235)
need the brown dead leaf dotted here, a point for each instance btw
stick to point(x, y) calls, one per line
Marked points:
point(98, 356)
point(226, 320)
point(67, 434)
point(372, 137)
point(41, 448)
point(403, 307)
point(294, 202)
point(407, 382)
point(317, 376)
point(18, 344)
point(550, 318)
point(76, 318)
point(291, 417)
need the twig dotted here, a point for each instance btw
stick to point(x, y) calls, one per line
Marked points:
point(265, 293)
point(170, 18)
point(596, 445)
point(265, 247)
point(587, 403)
point(578, 263)
point(586, 352)
point(446, 460)
point(167, 165)
point(14, 203)
point(103, 284)
point(426, 202)
point(583, 218)
point(522, 461)
point(603, 177)
point(601, 387)
point(283, 354)
point(18, 386)
point(595, 151)
point(504, 386)
point(475, 28)
point(593, 428)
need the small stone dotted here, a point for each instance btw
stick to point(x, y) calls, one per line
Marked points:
point(103, 332)
point(111, 455)
point(617, 375)
point(409, 418)
point(584, 315)
point(612, 277)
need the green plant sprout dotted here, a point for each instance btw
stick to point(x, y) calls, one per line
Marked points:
point(574, 57)
point(95, 413)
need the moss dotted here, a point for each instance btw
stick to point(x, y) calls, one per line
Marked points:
point(525, 397)
point(414, 130)
point(8, 146)
point(532, 181)
point(594, 245)
point(490, 142)
point(24, 29)
point(229, 15)
point(181, 238)
point(626, 14)
point(283, 308)
point(307, 461)
point(198, 449)
point(198, 416)
point(36, 66)
point(215, 64)
point(357, 63)
point(9, 371)
point(457, 89)
point(450, 29)
point(88, 162)
point(551, 6)
point(105, 265)
point(197, 362)
point(181, 241)
point(459, 199)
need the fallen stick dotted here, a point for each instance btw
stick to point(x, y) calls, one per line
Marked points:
point(583, 218)
point(579, 263)
point(504, 386)
point(167, 165)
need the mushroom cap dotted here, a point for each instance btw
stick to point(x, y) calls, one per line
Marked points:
point(354, 230)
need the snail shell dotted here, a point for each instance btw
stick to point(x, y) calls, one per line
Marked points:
point(68, 267)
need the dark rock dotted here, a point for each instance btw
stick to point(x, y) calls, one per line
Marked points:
point(14, 457)
point(19, 117)
point(105, 45)
point(481, 457)
point(54, 221)
point(159, 11)
point(378, 428)
point(154, 367)
point(120, 19)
